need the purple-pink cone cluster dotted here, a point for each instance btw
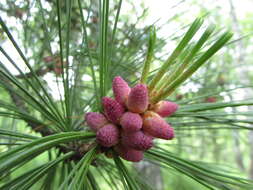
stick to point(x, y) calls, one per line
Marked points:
point(129, 123)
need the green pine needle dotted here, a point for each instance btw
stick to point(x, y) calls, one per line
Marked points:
point(183, 43)
point(149, 57)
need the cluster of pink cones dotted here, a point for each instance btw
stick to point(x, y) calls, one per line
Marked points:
point(129, 122)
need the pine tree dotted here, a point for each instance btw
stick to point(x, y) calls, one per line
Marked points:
point(82, 54)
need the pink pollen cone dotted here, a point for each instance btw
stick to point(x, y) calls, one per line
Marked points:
point(95, 120)
point(156, 126)
point(120, 89)
point(108, 135)
point(113, 110)
point(165, 108)
point(137, 101)
point(137, 140)
point(131, 122)
point(129, 154)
